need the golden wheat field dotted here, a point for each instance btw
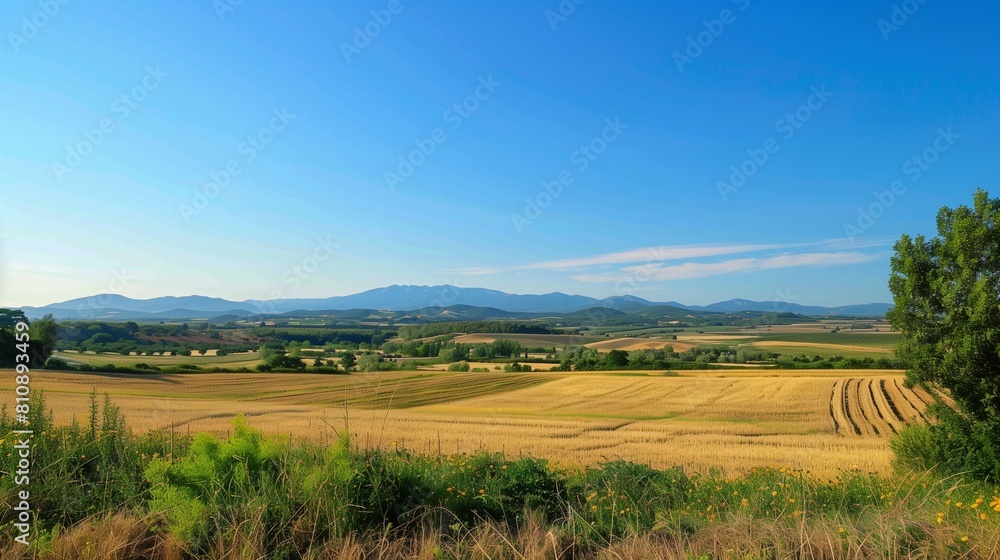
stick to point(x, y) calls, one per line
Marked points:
point(823, 421)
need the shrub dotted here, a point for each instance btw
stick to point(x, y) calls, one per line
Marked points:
point(620, 498)
point(81, 470)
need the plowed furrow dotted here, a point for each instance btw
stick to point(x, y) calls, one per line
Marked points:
point(856, 409)
point(913, 399)
point(835, 403)
point(877, 409)
point(845, 409)
point(886, 399)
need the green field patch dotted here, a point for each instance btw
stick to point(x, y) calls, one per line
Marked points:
point(230, 360)
point(872, 340)
point(810, 351)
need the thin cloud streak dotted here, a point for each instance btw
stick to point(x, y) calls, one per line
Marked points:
point(646, 254)
point(688, 271)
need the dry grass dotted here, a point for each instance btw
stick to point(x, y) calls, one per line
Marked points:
point(739, 419)
point(118, 536)
point(892, 535)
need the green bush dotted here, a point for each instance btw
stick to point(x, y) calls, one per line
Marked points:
point(621, 498)
point(953, 444)
point(400, 488)
point(459, 366)
point(81, 470)
point(283, 492)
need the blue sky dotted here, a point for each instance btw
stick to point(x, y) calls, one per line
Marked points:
point(307, 149)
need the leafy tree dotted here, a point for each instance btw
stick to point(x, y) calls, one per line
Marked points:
point(43, 339)
point(373, 362)
point(459, 366)
point(454, 353)
point(348, 361)
point(9, 318)
point(280, 361)
point(947, 307)
point(616, 359)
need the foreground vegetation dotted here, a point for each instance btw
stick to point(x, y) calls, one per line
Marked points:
point(104, 492)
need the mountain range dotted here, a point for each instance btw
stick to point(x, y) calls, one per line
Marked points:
point(402, 298)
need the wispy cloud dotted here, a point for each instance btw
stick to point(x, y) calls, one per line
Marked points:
point(662, 253)
point(691, 270)
point(653, 263)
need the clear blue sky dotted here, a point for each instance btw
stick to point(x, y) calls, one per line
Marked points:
point(312, 117)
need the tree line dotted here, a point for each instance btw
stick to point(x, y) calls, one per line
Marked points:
point(409, 332)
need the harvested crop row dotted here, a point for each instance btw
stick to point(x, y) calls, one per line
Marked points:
point(877, 409)
point(838, 406)
point(909, 406)
point(857, 410)
point(874, 407)
point(890, 410)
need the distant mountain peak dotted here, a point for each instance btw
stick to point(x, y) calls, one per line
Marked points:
point(405, 297)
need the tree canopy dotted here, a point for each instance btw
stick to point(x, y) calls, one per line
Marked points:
point(947, 305)
point(947, 309)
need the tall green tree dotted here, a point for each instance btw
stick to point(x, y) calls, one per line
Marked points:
point(43, 339)
point(9, 318)
point(348, 361)
point(947, 307)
